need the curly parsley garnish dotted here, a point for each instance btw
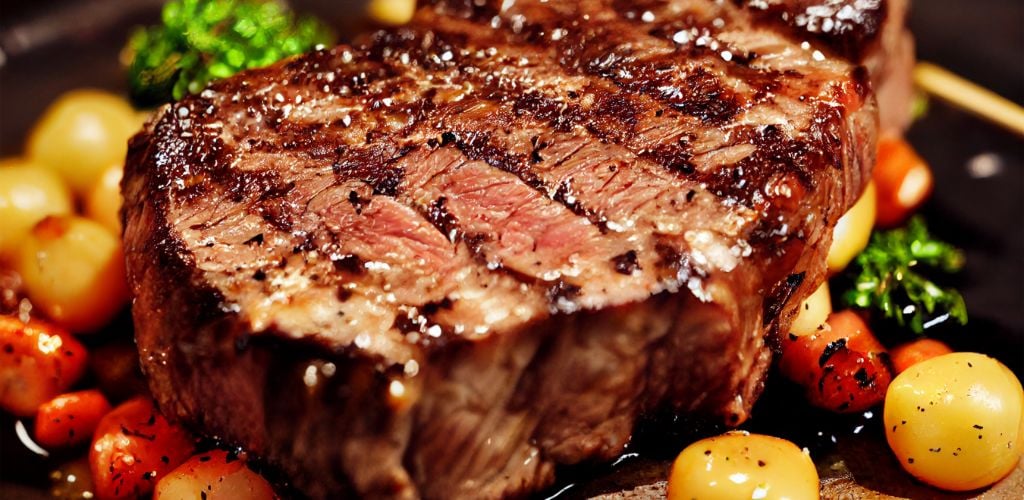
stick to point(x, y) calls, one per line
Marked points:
point(888, 277)
point(203, 40)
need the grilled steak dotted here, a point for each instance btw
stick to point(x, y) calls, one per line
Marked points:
point(444, 259)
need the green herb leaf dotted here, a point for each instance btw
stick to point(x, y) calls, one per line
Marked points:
point(888, 277)
point(204, 40)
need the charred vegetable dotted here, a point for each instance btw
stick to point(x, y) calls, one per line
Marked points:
point(133, 447)
point(888, 277)
point(842, 367)
point(203, 40)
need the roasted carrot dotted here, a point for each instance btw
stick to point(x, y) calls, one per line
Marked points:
point(842, 367)
point(903, 181)
point(38, 361)
point(70, 419)
point(909, 354)
point(133, 447)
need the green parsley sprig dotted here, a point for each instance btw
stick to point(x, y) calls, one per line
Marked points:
point(200, 41)
point(888, 277)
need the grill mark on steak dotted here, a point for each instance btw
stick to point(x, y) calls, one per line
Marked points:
point(477, 148)
point(477, 145)
point(563, 115)
point(699, 93)
point(790, 158)
point(561, 167)
point(361, 204)
point(674, 154)
point(478, 243)
point(534, 236)
point(601, 50)
point(448, 223)
point(493, 158)
point(626, 263)
point(377, 165)
point(598, 50)
point(444, 221)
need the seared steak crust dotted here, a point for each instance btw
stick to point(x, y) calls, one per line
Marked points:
point(450, 256)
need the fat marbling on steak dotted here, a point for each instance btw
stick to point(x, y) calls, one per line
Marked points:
point(444, 259)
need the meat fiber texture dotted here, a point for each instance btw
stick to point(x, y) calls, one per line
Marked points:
point(448, 258)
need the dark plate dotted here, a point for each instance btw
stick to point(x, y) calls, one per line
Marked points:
point(52, 46)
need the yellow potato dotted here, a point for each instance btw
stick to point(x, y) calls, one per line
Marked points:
point(813, 312)
point(28, 193)
point(213, 475)
point(81, 134)
point(103, 204)
point(391, 12)
point(742, 465)
point(73, 270)
point(853, 231)
point(956, 421)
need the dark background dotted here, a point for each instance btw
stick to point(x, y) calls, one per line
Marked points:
point(50, 46)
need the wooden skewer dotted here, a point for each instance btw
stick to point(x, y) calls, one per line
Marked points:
point(969, 96)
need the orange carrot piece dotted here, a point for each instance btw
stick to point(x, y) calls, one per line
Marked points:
point(842, 367)
point(38, 361)
point(911, 353)
point(903, 180)
point(70, 419)
point(134, 446)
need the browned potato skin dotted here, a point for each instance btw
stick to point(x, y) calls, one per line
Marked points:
point(73, 270)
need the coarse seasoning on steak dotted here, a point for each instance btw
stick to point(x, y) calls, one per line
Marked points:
point(449, 257)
